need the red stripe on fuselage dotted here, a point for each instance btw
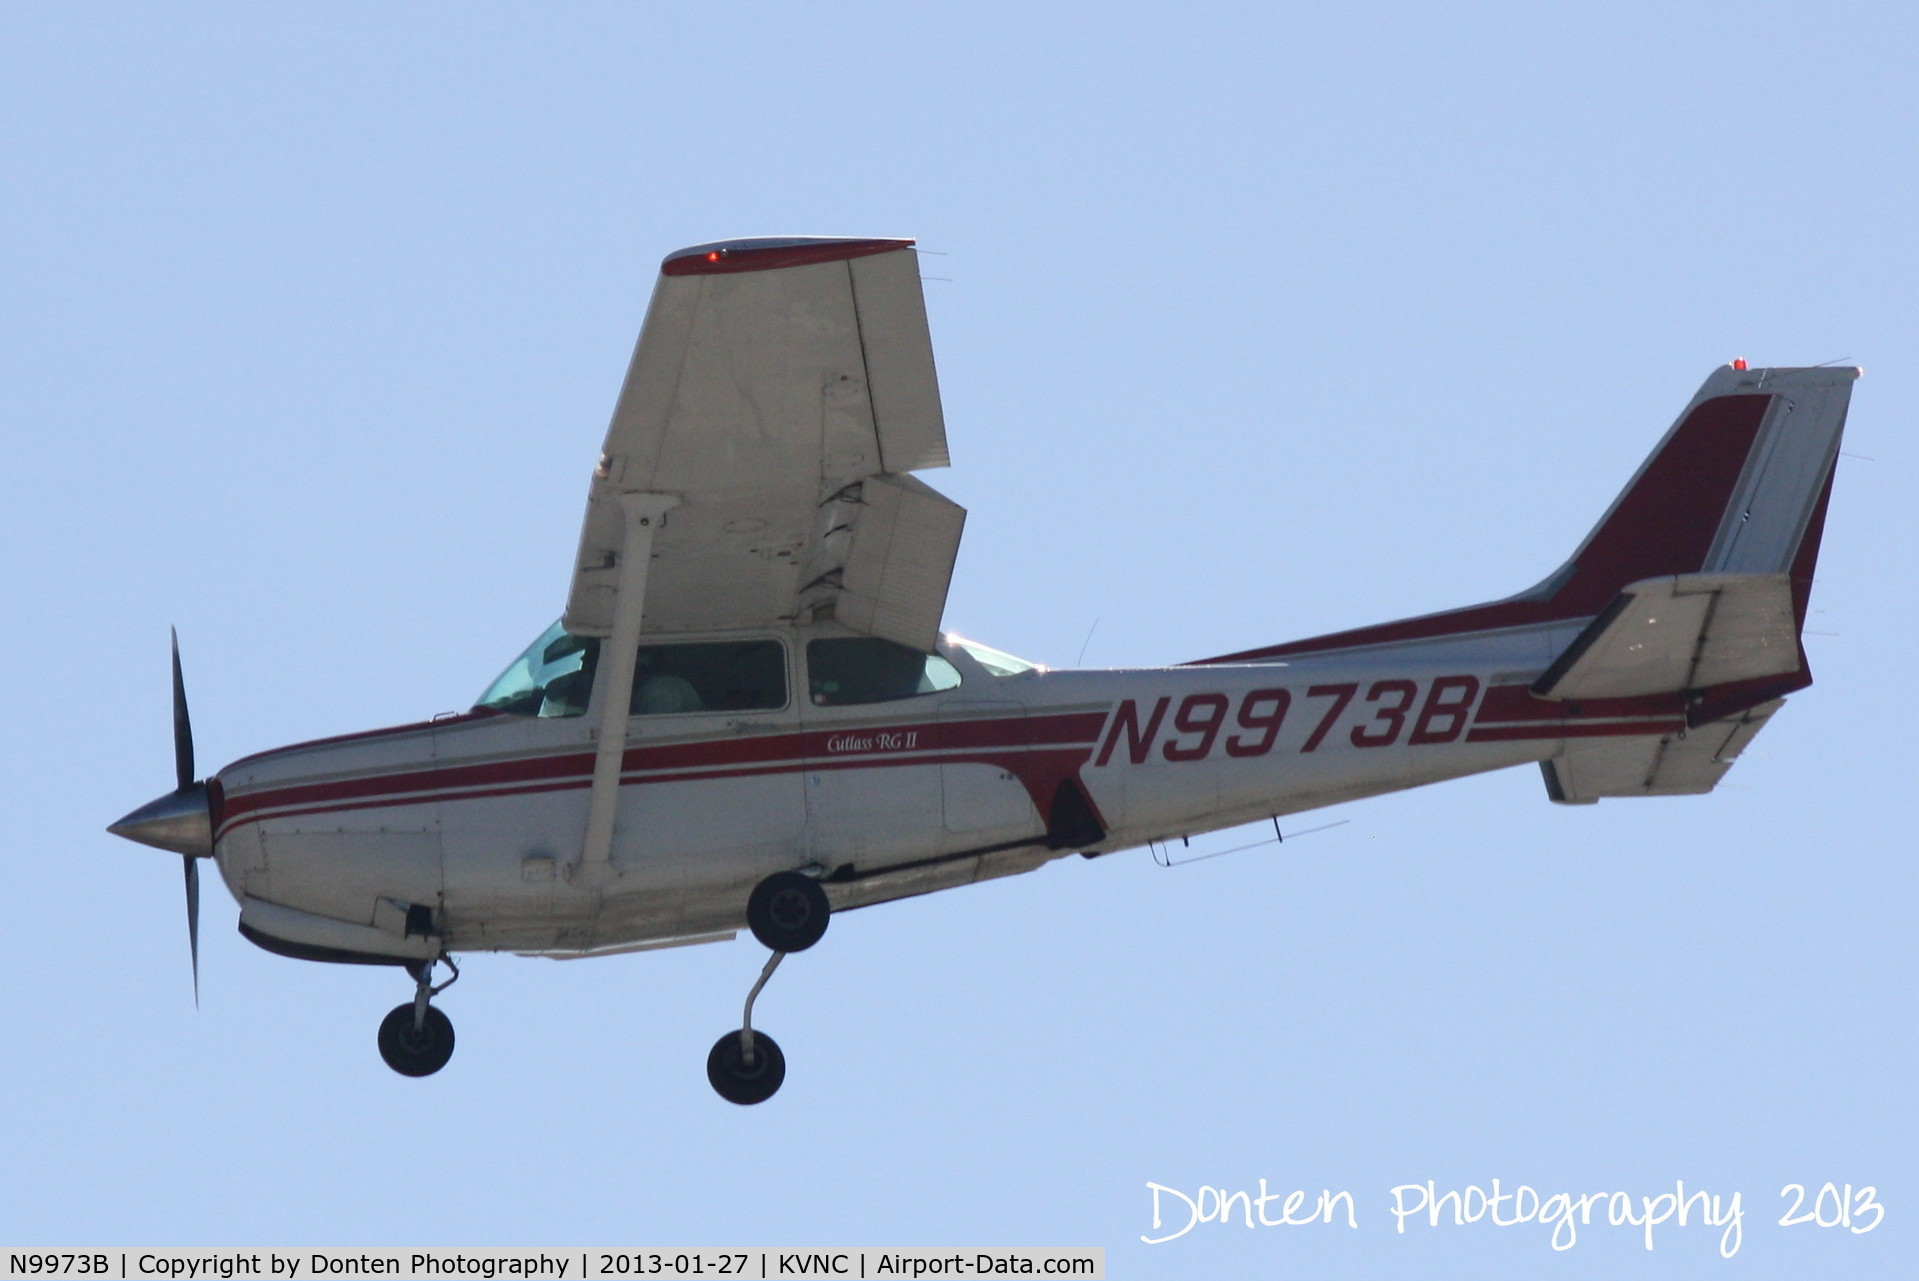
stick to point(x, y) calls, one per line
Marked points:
point(1513, 713)
point(1518, 703)
point(1028, 747)
point(1570, 729)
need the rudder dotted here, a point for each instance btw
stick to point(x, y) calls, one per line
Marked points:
point(1738, 486)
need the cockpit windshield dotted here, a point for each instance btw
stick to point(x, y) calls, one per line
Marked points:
point(554, 677)
point(996, 661)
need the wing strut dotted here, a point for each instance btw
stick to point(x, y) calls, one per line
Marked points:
point(643, 514)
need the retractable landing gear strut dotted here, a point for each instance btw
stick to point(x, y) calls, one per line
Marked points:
point(788, 912)
point(416, 1039)
point(747, 1066)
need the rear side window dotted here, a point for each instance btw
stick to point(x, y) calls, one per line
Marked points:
point(716, 676)
point(865, 669)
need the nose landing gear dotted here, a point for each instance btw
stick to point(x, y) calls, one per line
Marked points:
point(416, 1039)
point(746, 1067)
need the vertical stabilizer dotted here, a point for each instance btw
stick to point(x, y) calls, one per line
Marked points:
point(1737, 486)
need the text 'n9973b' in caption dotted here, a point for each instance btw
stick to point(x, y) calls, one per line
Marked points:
point(571, 1264)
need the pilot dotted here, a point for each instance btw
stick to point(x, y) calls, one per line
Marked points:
point(663, 693)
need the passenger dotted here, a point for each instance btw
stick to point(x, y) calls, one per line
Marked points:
point(665, 694)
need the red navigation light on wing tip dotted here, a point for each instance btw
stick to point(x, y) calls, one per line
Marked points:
point(772, 254)
point(1739, 363)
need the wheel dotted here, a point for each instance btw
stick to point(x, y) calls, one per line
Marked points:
point(412, 1053)
point(737, 1081)
point(788, 912)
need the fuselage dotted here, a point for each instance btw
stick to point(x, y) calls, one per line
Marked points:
point(463, 833)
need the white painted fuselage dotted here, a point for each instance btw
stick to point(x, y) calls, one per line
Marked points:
point(479, 818)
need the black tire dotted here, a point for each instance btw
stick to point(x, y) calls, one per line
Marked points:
point(788, 912)
point(412, 1053)
point(737, 1081)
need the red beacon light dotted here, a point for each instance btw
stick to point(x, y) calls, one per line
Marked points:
point(713, 255)
point(1739, 363)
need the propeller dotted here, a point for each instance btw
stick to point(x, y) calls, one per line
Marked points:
point(180, 821)
point(182, 724)
point(183, 779)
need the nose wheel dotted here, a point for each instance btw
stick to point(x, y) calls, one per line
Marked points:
point(738, 1081)
point(416, 1039)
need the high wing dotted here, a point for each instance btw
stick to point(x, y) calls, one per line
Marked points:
point(781, 390)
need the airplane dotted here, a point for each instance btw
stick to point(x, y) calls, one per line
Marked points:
point(748, 716)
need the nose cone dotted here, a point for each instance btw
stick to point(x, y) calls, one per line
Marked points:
point(180, 821)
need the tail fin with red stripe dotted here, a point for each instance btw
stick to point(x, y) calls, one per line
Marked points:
point(1738, 486)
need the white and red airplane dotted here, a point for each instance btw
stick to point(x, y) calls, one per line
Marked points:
point(749, 716)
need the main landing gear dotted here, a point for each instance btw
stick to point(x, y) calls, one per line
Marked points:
point(416, 1039)
point(788, 912)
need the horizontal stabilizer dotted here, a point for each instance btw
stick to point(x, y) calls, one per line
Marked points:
point(1679, 764)
point(1684, 632)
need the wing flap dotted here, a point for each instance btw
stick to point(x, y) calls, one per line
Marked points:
point(1684, 632)
point(899, 561)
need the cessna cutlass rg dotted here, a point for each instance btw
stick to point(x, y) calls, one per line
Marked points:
point(748, 716)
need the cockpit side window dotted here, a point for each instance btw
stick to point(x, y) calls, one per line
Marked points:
point(865, 669)
point(709, 676)
point(554, 677)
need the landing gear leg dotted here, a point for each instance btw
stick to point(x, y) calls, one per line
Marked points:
point(416, 1039)
point(747, 1067)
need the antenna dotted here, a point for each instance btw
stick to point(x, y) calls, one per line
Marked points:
point(1088, 641)
point(1163, 857)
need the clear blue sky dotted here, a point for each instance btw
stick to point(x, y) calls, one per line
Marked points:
point(1255, 322)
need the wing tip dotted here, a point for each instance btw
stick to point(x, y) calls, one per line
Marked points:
point(769, 253)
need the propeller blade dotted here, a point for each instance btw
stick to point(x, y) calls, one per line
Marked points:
point(193, 920)
point(182, 727)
